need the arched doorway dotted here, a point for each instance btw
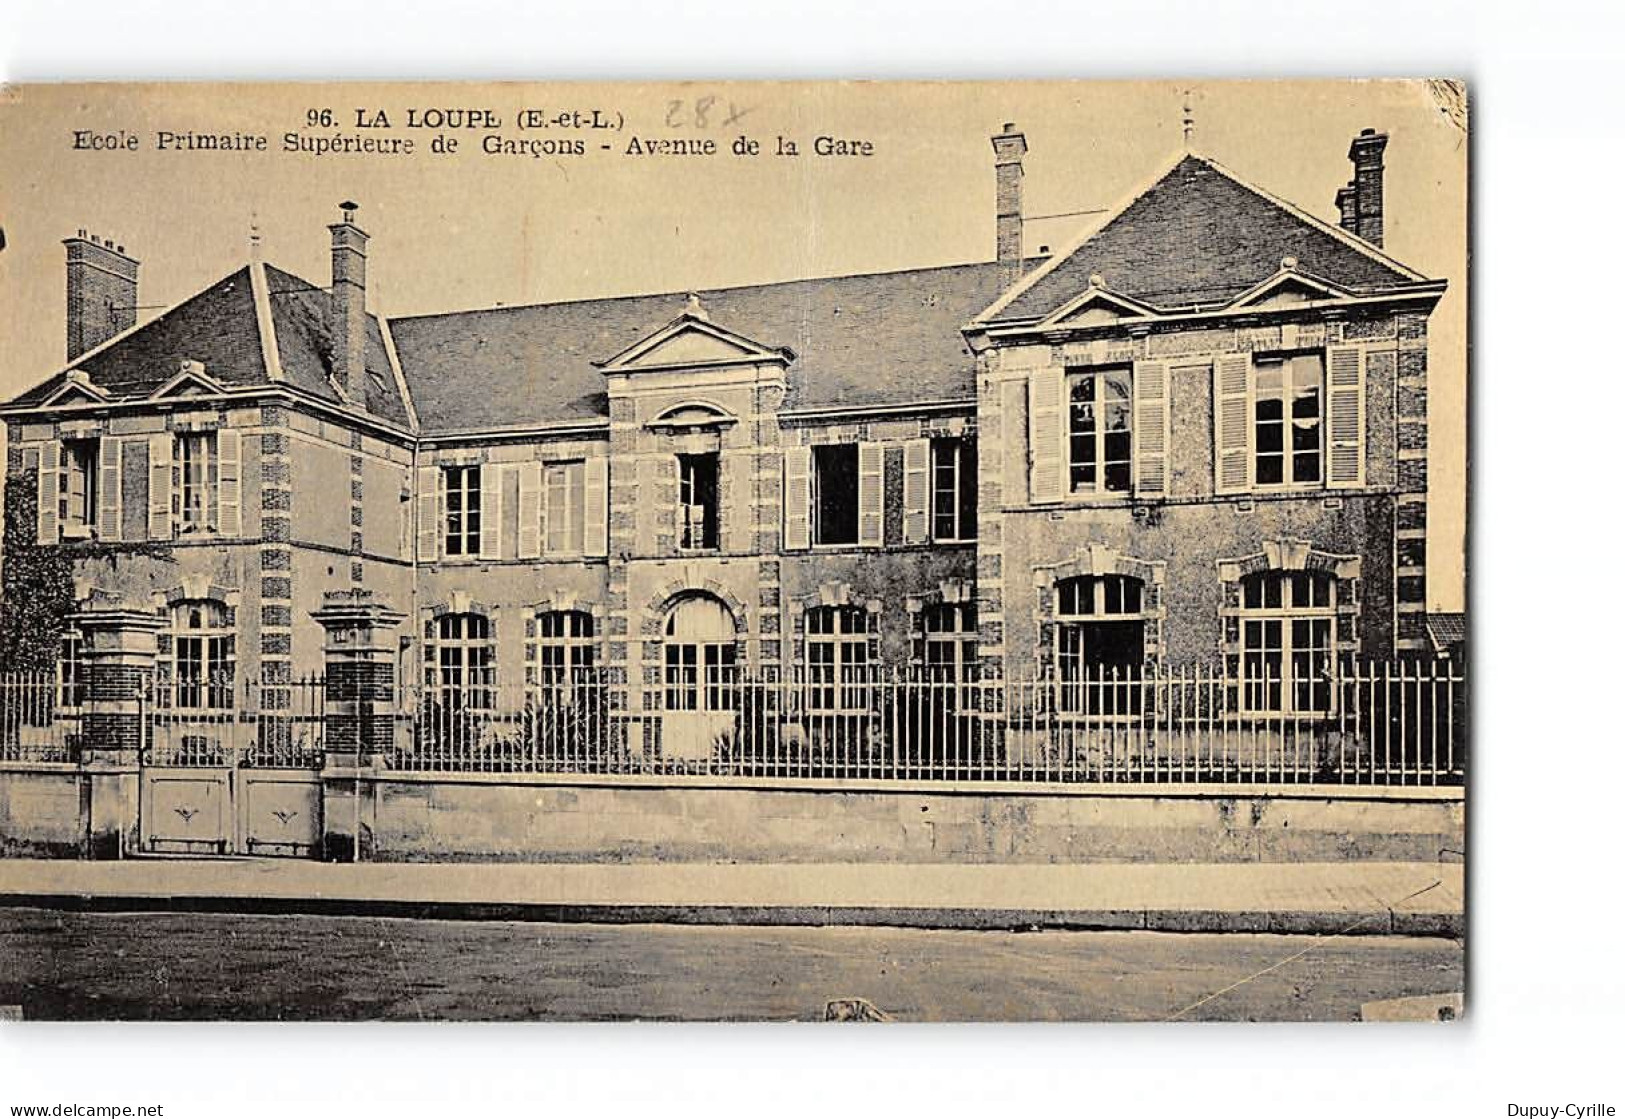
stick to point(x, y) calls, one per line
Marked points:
point(701, 677)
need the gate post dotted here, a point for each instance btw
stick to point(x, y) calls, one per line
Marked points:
point(358, 712)
point(120, 651)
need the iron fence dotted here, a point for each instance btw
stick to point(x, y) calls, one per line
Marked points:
point(222, 721)
point(39, 718)
point(1367, 724)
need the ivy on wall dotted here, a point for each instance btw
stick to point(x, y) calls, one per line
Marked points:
point(36, 589)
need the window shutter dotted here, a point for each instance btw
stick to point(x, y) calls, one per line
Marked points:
point(1046, 432)
point(230, 449)
point(797, 498)
point(431, 479)
point(110, 490)
point(490, 512)
point(50, 491)
point(1232, 423)
point(595, 495)
point(1151, 428)
point(1014, 464)
point(916, 491)
point(871, 494)
point(1345, 408)
point(530, 510)
point(160, 486)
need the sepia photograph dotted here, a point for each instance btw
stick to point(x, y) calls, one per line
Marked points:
point(735, 551)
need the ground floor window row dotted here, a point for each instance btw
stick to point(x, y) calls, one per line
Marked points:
point(1285, 634)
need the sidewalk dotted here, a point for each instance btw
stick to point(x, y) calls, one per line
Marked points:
point(1415, 899)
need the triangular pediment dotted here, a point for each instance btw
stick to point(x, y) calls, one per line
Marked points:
point(1288, 288)
point(692, 340)
point(190, 381)
point(1098, 307)
point(76, 389)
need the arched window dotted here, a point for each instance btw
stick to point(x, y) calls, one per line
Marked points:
point(564, 647)
point(1288, 640)
point(204, 657)
point(700, 656)
point(1100, 643)
point(838, 658)
point(459, 661)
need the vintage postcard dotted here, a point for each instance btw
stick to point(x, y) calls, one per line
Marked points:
point(734, 551)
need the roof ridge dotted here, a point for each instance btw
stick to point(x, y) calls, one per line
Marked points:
point(679, 293)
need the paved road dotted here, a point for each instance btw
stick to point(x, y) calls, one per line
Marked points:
point(197, 966)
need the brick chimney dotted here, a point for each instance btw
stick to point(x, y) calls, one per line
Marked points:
point(1008, 148)
point(349, 295)
point(101, 291)
point(1366, 155)
point(1345, 208)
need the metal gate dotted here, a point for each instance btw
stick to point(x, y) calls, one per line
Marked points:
point(233, 781)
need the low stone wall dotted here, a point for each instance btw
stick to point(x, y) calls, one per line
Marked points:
point(695, 820)
point(43, 810)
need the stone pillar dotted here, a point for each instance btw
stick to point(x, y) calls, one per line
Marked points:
point(359, 712)
point(120, 652)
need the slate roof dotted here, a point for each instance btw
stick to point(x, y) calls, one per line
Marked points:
point(1446, 629)
point(1200, 237)
point(219, 328)
point(1195, 237)
point(215, 326)
point(884, 338)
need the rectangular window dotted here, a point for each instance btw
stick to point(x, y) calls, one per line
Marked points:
point(1287, 414)
point(835, 494)
point(1099, 439)
point(953, 489)
point(698, 504)
point(1287, 631)
point(70, 672)
point(565, 484)
point(196, 486)
point(462, 510)
point(77, 507)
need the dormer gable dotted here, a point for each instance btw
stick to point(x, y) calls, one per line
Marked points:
point(76, 388)
point(1289, 287)
point(189, 380)
point(1098, 306)
point(692, 340)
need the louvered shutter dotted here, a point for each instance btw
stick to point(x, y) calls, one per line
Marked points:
point(916, 491)
point(1232, 428)
point(430, 490)
point(871, 494)
point(50, 491)
point(797, 498)
point(230, 449)
point(1046, 433)
point(1151, 421)
point(490, 512)
point(160, 486)
point(595, 495)
point(110, 490)
point(1345, 409)
point(1013, 468)
point(530, 510)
